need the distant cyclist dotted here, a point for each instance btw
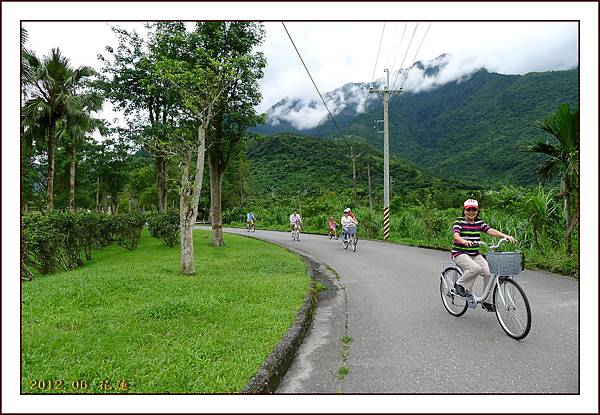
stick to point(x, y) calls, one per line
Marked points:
point(348, 223)
point(332, 225)
point(295, 220)
point(250, 219)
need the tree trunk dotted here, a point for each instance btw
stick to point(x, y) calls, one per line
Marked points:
point(161, 182)
point(188, 204)
point(188, 266)
point(216, 180)
point(51, 145)
point(114, 202)
point(569, 227)
point(98, 193)
point(72, 180)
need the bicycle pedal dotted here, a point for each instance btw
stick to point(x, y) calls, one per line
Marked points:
point(471, 301)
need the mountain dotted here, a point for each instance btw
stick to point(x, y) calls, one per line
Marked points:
point(471, 126)
point(288, 163)
point(311, 118)
point(474, 129)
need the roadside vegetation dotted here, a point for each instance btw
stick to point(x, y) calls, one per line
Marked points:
point(533, 216)
point(132, 316)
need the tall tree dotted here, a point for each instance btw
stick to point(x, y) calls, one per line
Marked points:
point(200, 81)
point(54, 87)
point(73, 129)
point(563, 160)
point(234, 112)
point(132, 84)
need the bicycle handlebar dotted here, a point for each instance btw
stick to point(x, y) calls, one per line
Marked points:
point(493, 246)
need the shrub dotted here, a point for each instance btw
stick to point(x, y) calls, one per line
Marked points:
point(165, 226)
point(127, 229)
point(42, 243)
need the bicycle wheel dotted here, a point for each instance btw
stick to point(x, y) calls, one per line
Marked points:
point(345, 242)
point(354, 241)
point(454, 303)
point(512, 308)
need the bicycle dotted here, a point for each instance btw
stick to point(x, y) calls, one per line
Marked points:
point(296, 232)
point(333, 234)
point(350, 237)
point(250, 226)
point(509, 300)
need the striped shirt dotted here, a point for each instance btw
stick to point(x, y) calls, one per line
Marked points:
point(469, 232)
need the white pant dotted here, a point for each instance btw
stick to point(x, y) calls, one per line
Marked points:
point(472, 267)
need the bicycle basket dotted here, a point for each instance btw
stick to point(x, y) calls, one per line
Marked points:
point(505, 263)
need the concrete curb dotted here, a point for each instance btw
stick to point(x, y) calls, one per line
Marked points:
point(277, 363)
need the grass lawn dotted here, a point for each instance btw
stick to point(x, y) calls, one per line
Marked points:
point(130, 316)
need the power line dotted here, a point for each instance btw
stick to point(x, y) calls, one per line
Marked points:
point(407, 49)
point(313, 81)
point(415, 57)
point(399, 47)
point(378, 50)
point(393, 37)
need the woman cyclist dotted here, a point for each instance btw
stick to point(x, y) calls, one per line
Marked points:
point(347, 221)
point(465, 248)
point(295, 220)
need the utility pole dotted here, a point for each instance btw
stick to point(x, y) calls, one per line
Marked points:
point(386, 154)
point(353, 157)
point(370, 199)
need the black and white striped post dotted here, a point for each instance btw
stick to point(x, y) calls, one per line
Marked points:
point(386, 223)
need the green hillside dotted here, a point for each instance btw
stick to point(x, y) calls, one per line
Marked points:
point(287, 163)
point(474, 129)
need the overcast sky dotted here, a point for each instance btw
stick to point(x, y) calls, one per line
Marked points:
point(341, 52)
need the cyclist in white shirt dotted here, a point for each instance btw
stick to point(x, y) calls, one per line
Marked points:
point(347, 222)
point(295, 219)
point(250, 219)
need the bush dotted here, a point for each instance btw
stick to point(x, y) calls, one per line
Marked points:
point(127, 229)
point(61, 240)
point(42, 243)
point(165, 226)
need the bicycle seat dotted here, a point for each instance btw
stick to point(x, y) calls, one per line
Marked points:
point(453, 264)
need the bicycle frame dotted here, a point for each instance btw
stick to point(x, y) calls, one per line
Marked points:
point(494, 280)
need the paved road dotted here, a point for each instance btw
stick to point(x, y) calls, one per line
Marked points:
point(386, 299)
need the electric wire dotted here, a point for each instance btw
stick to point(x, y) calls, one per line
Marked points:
point(415, 57)
point(393, 37)
point(313, 81)
point(378, 50)
point(407, 49)
point(399, 48)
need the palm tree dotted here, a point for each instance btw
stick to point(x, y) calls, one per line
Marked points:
point(54, 87)
point(563, 159)
point(72, 130)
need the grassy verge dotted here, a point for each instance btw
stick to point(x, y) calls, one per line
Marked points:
point(129, 322)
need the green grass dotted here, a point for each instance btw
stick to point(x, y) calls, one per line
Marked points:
point(342, 372)
point(132, 316)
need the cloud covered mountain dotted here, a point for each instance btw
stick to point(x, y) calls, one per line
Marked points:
point(352, 99)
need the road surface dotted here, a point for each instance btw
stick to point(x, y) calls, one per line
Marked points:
point(385, 303)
